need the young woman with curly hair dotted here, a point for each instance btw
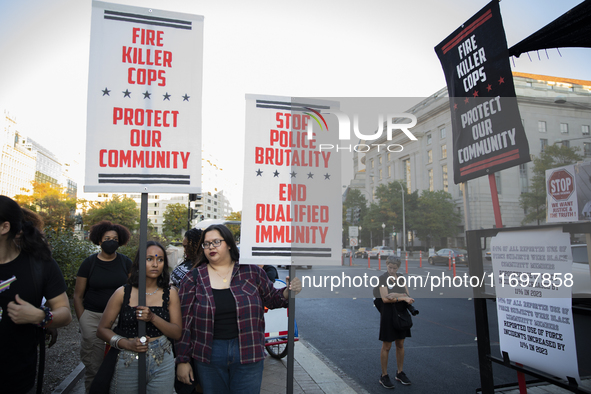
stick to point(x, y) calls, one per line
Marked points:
point(98, 278)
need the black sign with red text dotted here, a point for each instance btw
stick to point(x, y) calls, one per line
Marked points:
point(488, 135)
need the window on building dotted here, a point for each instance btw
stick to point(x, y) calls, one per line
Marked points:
point(380, 174)
point(543, 144)
point(444, 176)
point(564, 128)
point(155, 213)
point(566, 143)
point(155, 220)
point(389, 171)
point(429, 156)
point(461, 185)
point(444, 151)
point(430, 173)
point(429, 139)
point(542, 126)
point(585, 129)
point(371, 163)
point(442, 133)
point(587, 148)
point(498, 179)
point(523, 178)
point(380, 160)
point(390, 157)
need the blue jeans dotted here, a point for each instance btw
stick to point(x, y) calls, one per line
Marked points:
point(159, 369)
point(224, 373)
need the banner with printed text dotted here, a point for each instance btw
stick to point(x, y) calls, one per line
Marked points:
point(533, 284)
point(292, 209)
point(144, 101)
point(488, 135)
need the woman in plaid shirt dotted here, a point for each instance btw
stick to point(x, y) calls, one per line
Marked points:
point(222, 304)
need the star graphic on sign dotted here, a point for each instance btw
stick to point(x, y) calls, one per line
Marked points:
point(293, 174)
point(127, 93)
point(147, 95)
point(310, 175)
point(259, 172)
point(466, 100)
point(501, 80)
point(275, 174)
point(475, 94)
point(455, 105)
point(166, 96)
point(326, 176)
point(185, 97)
point(489, 88)
point(106, 92)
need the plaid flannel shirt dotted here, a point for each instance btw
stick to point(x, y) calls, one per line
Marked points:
point(251, 289)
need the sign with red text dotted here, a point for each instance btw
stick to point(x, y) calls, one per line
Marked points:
point(144, 101)
point(568, 193)
point(488, 135)
point(292, 209)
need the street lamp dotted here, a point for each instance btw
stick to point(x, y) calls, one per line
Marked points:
point(383, 234)
point(403, 218)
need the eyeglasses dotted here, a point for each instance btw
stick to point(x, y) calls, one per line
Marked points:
point(215, 243)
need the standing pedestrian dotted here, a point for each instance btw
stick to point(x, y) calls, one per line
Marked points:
point(98, 277)
point(223, 304)
point(25, 257)
point(392, 299)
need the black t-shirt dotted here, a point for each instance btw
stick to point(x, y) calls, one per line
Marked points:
point(18, 342)
point(225, 322)
point(178, 274)
point(105, 278)
point(391, 285)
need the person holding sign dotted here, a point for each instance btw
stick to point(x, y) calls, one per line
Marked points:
point(163, 321)
point(394, 300)
point(98, 277)
point(28, 273)
point(222, 305)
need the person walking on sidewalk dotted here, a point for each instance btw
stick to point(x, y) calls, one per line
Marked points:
point(392, 299)
point(98, 277)
point(222, 305)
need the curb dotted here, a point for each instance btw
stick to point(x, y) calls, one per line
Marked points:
point(70, 381)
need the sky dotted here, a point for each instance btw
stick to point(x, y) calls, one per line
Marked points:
point(321, 48)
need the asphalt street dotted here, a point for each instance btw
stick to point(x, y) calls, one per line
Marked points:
point(441, 356)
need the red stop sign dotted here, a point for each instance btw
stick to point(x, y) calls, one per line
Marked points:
point(561, 185)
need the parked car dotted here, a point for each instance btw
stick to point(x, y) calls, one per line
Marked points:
point(361, 253)
point(487, 255)
point(346, 252)
point(442, 256)
point(382, 251)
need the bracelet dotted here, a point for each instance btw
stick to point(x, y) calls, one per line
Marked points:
point(48, 317)
point(114, 341)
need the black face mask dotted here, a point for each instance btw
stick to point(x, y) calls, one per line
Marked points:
point(110, 246)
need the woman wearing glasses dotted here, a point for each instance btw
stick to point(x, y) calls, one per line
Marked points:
point(222, 304)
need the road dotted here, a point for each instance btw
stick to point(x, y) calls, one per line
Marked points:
point(441, 356)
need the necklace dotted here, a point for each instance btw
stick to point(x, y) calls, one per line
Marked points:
point(224, 278)
point(154, 292)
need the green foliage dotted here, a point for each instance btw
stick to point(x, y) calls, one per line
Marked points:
point(438, 216)
point(175, 221)
point(117, 210)
point(235, 228)
point(69, 251)
point(55, 207)
point(130, 250)
point(534, 200)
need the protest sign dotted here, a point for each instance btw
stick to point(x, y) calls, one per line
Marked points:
point(533, 279)
point(144, 100)
point(292, 210)
point(488, 135)
point(568, 193)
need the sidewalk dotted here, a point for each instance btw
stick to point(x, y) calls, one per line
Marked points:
point(311, 376)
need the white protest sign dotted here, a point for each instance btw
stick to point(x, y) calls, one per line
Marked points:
point(292, 210)
point(533, 280)
point(144, 100)
point(561, 191)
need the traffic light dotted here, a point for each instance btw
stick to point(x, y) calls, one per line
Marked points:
point(349, 214)
point(356, 214)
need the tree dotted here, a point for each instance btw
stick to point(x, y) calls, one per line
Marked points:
point(51, 203)
point(534, 200)
point(117, 210)
point(390, 202)
point(235, 228)
point(175, 220)
point(438, 217)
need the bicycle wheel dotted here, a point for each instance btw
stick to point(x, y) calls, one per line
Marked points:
point(276, 350)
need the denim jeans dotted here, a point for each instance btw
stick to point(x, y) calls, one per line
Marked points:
point(159, 369)
point(224, 373)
